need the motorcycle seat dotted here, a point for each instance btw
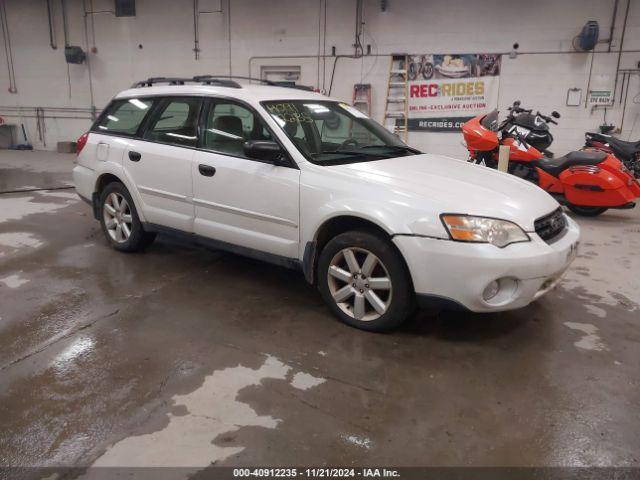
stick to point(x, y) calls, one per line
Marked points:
point(623, 150)
point(555, 166)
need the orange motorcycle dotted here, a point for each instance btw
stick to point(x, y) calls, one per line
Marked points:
point(587, 182)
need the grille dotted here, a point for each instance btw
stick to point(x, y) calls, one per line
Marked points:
point(551, 226)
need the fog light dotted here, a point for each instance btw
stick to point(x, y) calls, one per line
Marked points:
point(491, 290)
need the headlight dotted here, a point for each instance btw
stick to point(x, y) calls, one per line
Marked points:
point(465, 228)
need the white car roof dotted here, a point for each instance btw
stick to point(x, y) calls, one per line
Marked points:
point(248, 92)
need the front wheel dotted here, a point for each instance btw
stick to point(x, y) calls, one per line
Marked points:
point(364, 281)
point(585, 211)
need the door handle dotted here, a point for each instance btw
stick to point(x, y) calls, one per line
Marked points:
point(206, 170)
point(134, 156)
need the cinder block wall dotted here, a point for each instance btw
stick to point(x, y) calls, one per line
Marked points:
point(238, 35)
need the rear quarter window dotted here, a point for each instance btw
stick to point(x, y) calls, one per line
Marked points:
point(124, 116)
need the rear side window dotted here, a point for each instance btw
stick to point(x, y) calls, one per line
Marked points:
point(124, 116)
point(175, 122)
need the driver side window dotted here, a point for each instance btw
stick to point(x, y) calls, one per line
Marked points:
point(229, 125)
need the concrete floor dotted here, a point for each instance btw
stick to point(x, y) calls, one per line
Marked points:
point(185, 356)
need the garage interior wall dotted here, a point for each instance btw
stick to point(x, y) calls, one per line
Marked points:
point(240, 35)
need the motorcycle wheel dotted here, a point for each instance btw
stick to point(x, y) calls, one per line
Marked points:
point(584, 211)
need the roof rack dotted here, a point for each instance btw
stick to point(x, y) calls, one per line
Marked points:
point(288, 84)
point(220, 80)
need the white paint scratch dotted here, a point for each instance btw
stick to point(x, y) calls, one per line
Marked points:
point(591, 340)
point(13, 281)
point(359, 441)
point(597, 311)
point(59, 194)
point(304, 381)
point(16, 240)
point(213, 409)
point(607, 280)
point(15, 208)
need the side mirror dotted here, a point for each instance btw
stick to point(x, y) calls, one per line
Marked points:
point(555, 114)
point(265, 151)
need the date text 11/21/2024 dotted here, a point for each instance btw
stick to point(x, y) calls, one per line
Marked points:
point(322, 472)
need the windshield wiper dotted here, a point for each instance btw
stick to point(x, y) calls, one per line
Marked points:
point(349, 152)
point(393, 147)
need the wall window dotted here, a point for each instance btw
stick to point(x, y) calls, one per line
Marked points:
point(124, 116)
point(229, 125)
point(175, 122)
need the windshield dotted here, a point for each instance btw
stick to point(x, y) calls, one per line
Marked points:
point(490, 121)
point(332, 133)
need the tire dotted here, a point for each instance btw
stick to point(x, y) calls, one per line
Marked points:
point(114, 212)
point(586, 211)
point(365, 306)
point(427, 71)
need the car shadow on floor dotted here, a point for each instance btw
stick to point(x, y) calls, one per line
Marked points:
point(452, 326)
point(459, 326)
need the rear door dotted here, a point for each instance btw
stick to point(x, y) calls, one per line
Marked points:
point(239, 200)
point(159, 163)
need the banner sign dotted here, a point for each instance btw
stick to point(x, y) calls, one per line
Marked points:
point(447, 90)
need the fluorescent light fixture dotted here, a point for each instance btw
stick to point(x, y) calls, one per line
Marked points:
point(102, 127)
point(138, 103)
point(112, 118)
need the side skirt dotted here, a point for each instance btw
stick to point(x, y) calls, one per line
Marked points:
point(292, 263)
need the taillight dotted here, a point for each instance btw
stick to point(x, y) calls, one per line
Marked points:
point(81, 142)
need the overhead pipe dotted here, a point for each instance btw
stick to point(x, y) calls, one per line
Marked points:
point(86, 39)
point(7, 48)
point(52, 28)
point(57, 117)
point(613, 24)
point(65, 25)
point(624, 30)
point(196, 33)
point(53, 109)
point(229, 32)
point(196, 26)
point(359, 50)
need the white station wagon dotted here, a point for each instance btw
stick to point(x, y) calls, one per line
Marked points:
point(293, 177)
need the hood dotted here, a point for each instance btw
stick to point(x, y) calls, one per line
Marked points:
point(449, 185)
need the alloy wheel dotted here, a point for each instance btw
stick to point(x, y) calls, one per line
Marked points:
point(117, 217)
point(359, 284)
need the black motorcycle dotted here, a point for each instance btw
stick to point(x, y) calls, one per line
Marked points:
point(533, 128)
point(627, 152)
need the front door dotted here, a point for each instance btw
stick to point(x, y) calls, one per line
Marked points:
point(238, 200)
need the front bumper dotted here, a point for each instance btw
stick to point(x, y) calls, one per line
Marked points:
point(459, 272)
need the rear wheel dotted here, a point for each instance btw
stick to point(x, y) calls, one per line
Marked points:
point(585, 211)
point(120, 222)
point(364, 281)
